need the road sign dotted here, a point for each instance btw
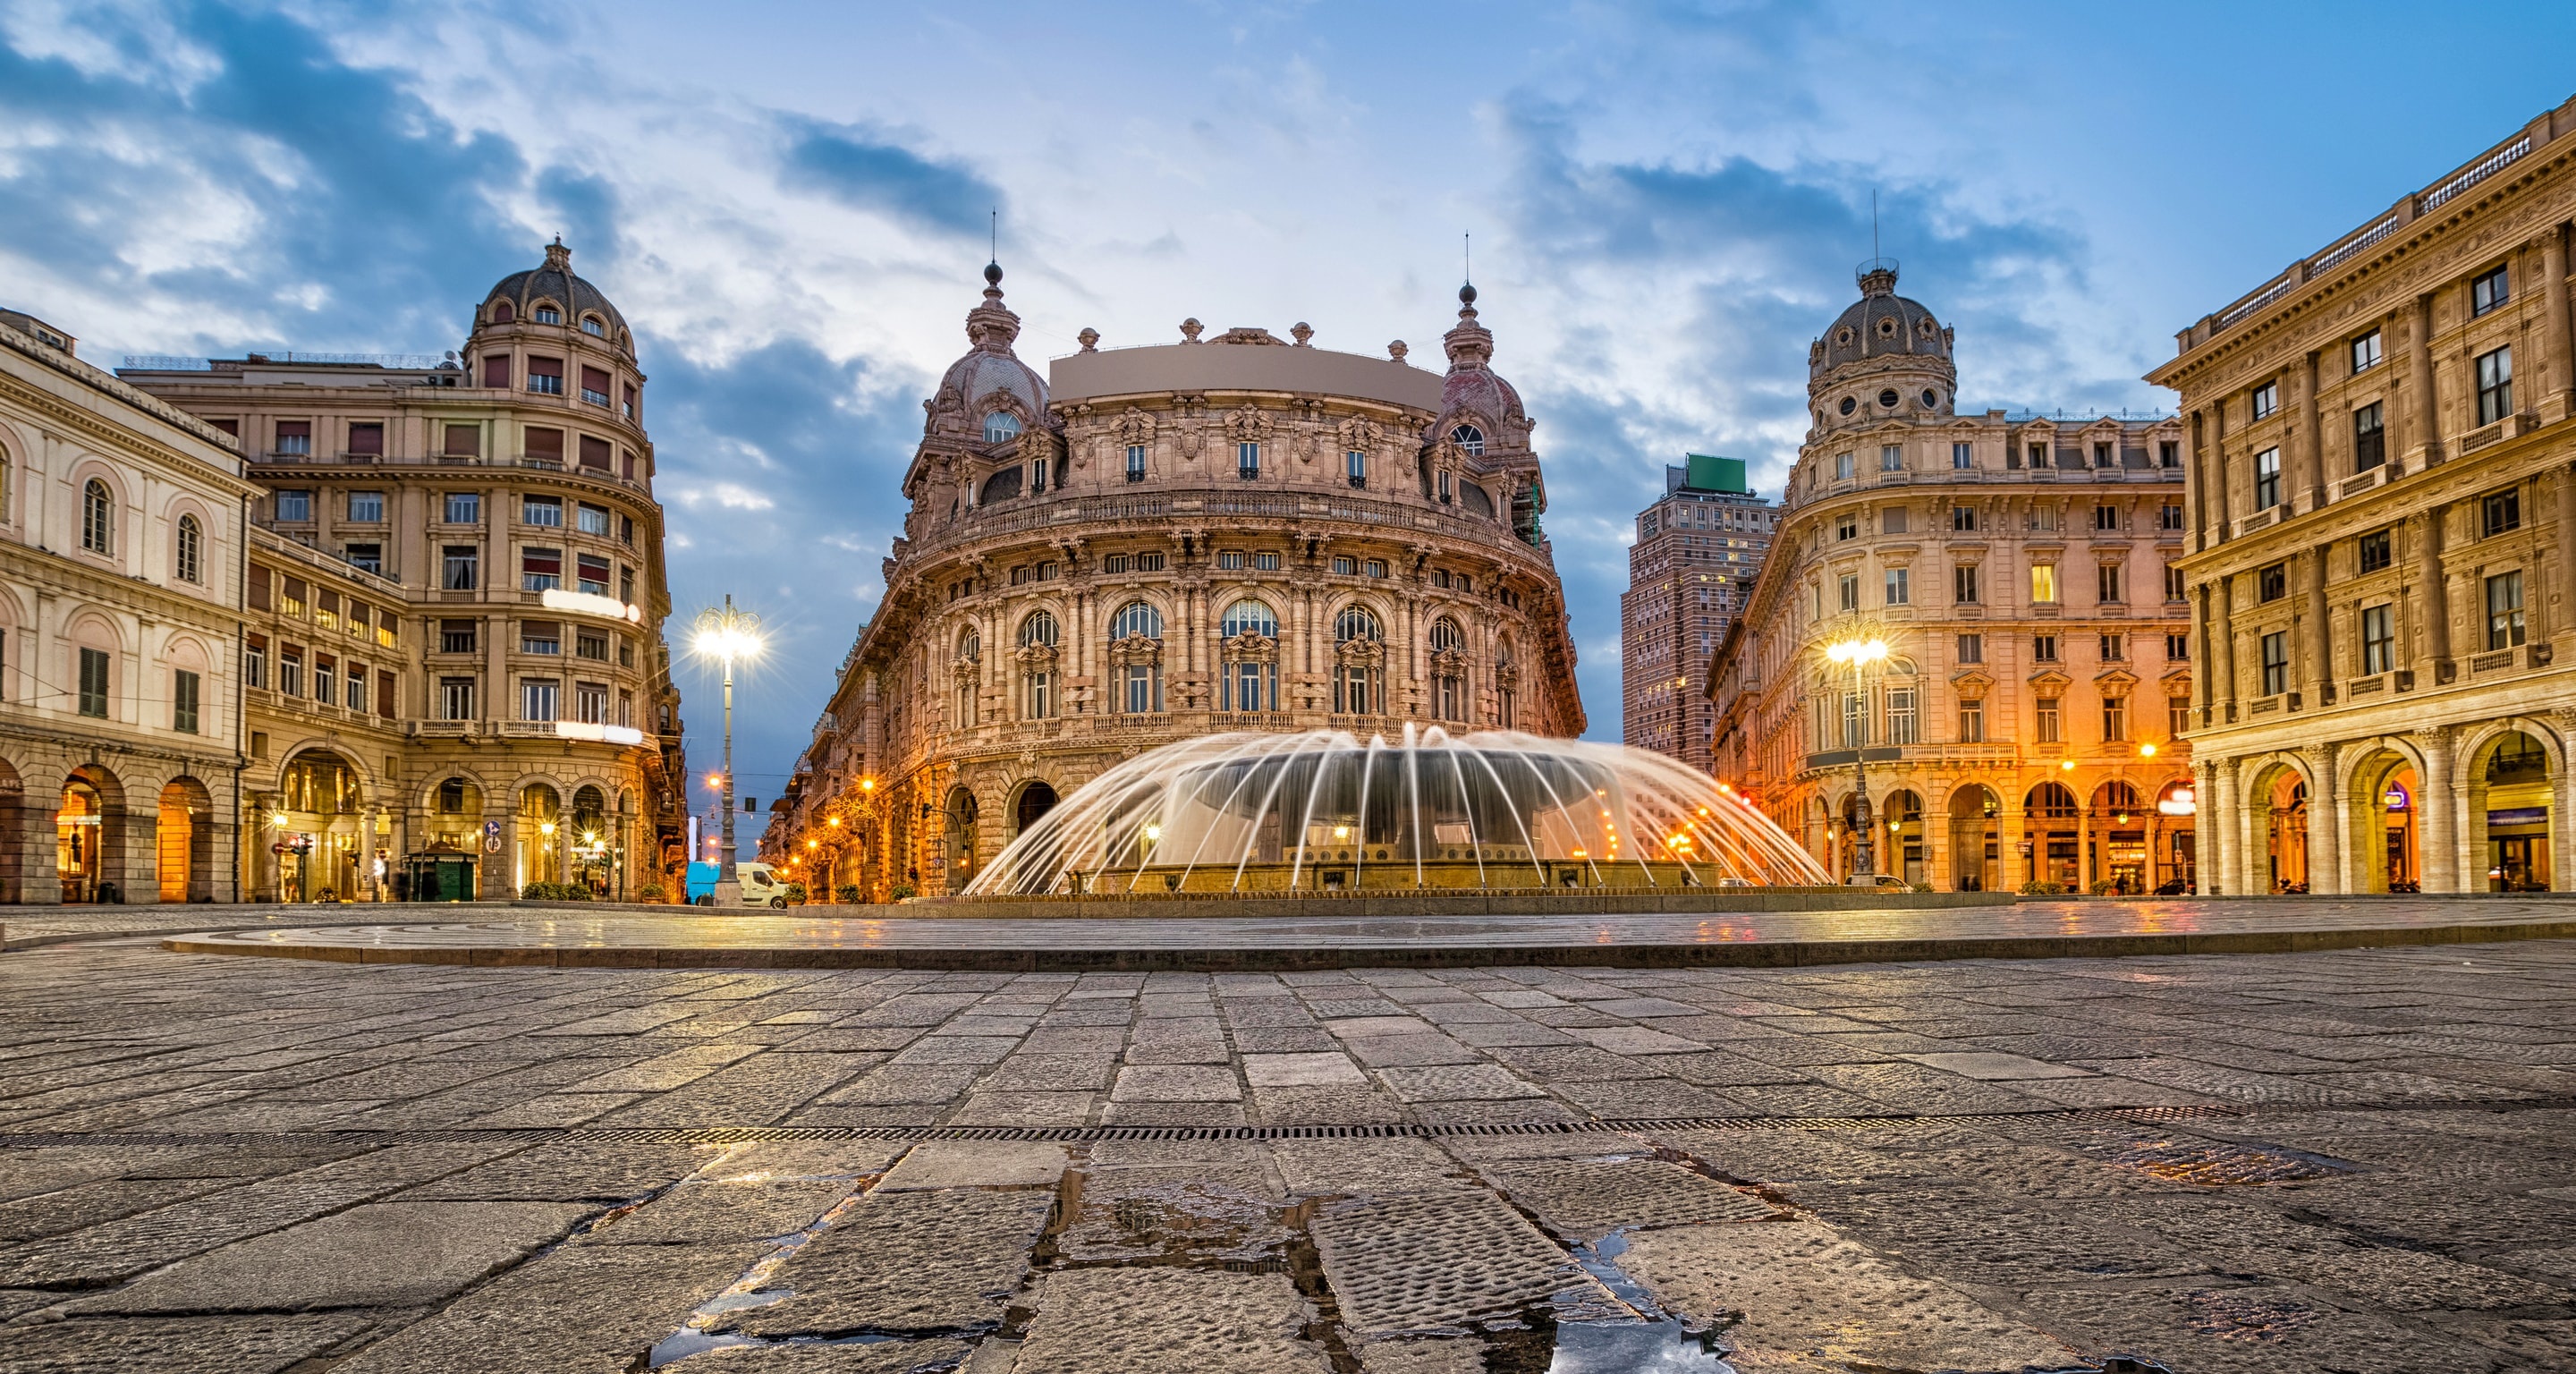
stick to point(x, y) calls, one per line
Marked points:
point(492, 831)
point(491, 844)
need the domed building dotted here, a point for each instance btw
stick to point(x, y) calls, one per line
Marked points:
point(2019, 723)
point(454, 678)
point(1230, 532)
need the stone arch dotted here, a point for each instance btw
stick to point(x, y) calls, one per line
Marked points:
point(2276, 794)
point(1906, 852)
point(317, 811)
point(1031, 799)
point(592, 839)
point(89, 836)
point(88, 627)
point(99, 470)
point(183, 839)
point(960, 814)
point(2511, 782)
point(1976, 837)
point(186, 506)
point(2379, 784)
point(537, 805)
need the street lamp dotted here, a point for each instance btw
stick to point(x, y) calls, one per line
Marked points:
point(727, 634)
point(1860, 653)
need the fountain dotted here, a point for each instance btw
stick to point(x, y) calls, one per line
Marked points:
point(1322, 811)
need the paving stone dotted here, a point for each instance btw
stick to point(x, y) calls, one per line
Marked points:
point(944, 1260)
point(1301, 1071)
point(839, 1357)
point(1201, 1214)
point(87, 1204)
point(2246, 1330)
point(1455, 1083)
point(1793, 1288)
point(1436, 1261)
point(976, 1164)
point(1357, 1106)
point(1375, 1167)
point(1628, 1099)
point(701, 1212)
point(1492, 1036)
point(568, 1171)
point(1051, 1073)
point(1586, 1199)
point(805, 1159)
point(1025, 1109)
point(957, 1049)
point(393, 1254)
point(1168, 1321)
point(186, 1345)
point(1453, 1355)
point(1784, 1156)
point(1988, 1066)
point(1175, 1083)
point(1581, 1063)
point(896, 1084)
point(577, 1310)
point(1913, 1088)
point(1409, 1051)
point(1194, 1115)
point(1635, 1040)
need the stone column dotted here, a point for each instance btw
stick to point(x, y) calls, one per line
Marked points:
point(2311, 476)
point(2222, 651)
point(2562, 810)
point(2325, 834)
point(2224, 827)
point(2437, 593)
point(2424, 420)
point(2204, 829)
point(2558, 369)
point(2436, 813)
point(2563, 577)
point(2318, 639)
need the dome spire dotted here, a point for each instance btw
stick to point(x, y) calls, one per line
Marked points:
point(558, 257)
point(991, 326)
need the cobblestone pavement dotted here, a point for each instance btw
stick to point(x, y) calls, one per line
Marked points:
point(2351, 1161)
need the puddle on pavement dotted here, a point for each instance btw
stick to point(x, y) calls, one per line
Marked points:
point(1652, 1341)
point(752, 1288)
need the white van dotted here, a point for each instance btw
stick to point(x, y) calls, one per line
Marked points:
point(760, 887)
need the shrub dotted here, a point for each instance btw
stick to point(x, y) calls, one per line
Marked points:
point(847, 894)
point(900, 891)
point(651, 892)
point(2043, 888)
point(555, 892)
point(2101, 887)
point(796, 894)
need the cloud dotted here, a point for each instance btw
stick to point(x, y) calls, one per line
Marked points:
point(863, 168)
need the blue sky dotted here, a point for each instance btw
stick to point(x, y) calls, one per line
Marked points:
point(789, 203)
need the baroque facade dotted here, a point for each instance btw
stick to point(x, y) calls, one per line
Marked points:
point(1146, 544)
point(2383, 545)
point(121, 526)
point(1697, 552)
point(2019, 570)
point(453, 598)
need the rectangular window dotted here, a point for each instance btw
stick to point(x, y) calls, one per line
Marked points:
point(594, 388)
point(385, 695)
point(463, 508)
point(1963, 584)
point(2369, 437)
point(542, 448)
point(593, 519)
point(591, 574)
point(1972, 648)
point(2489, 290)
point(2043, 648)
point(2174, 589)
point(1842, 466)
point(1145, 562)
point(545, 376)
point(2267, 399)
point(294, 506)
point(461, 441)
point(537, 698)
point(540, 637)
point(2177, 717)
point(255, 662)
point(1269, 562)
point(1899, 590)
point(256, 588)
point(2114, 648)
point(1231, 559)
point(2495, 385)
point(2378, 639)
point(540, 569)
point(293, 599)
point(294, 438)
point(2039, 455)
point(93, 682)
point(1247, 460)
point(2169, 516)
point(625, 708)
point(2102, 456)
point(1135, 462)
point(1901, 728)
point(1846, 526)
point(2177, 648)
point(594, 455)
point(367, 439)
point(1849, 592)
point(2276, 663)
point(1891, 458)
point(2049, 731)
point(541, 510)
point(2115, 719)
point(2109, 586)
point(456, 636)
point(457, 567)
point(1113, 563)
point(290, 670)
point(2365, 352)
point(1355, 467)
point(2043, 582)
point(388, 630)
point(590, 701)
point(496, 370)
point(366, 507)
point(1892, 520)
point(2168, 453)
point(2501, 512)
point(326, 679)
point(1963, 519)
point(2371, 552)
point(1963, 456)
point(2271, 583)
point(2106, 517)
point(592, 644)
point(1972, 721)
point(1343, 564)
point(367, 557)
point(357, 696)
point(456, 698)
point(2267, 479)
point(1851, 720)
point(2504, 610)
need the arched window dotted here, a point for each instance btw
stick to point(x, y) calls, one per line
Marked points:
point(970, 646)
point(1449, 673)
point(2051, 801)
point(1446, 636)
point(546, 313)
point(98, 518)
point(1037, 681)
point(192, 550)
point(1470, 440)
point(8, 487)
point(1136, 618)
point(1249, 617)
point(503, 313)
point(1356, 675)
point(1038, 629)
point(593, 326)
point(1001, 427)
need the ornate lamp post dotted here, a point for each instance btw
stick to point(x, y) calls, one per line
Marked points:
point(727, 634)
point(1860, 653)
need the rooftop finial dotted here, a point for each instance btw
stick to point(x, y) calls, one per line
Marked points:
point(558, 257)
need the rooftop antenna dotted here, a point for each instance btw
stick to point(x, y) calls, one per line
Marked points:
point(1467, 256)
point(1873, 222)
point(996, 254)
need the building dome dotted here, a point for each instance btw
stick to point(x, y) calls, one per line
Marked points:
point(555, 282)
point(1880, 325)
point(975, 384)
point(1473, 390)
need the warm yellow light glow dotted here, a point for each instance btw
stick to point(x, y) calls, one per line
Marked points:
point(727, 641)
point(715, 779)
point(1856, 651)
point(813, 844)
point(2066, 765)
point(867, 784)
point(1579, 854)
point(1153, 832)
point(1341, 832)
point(590, 837)
point(277, 818)
point(2146, 751)
point(546, 828)
point(836, 822)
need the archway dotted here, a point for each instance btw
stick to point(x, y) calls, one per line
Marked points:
point(594, 846)
point(2117, 838)
point(13, 827)
point(540, 843)
point(1976, 842)
point(1903, 825)
point(2512, 781)
point(960, 846)
point(2383, 800)
point(2280, 812)
point(184, 841)
point(2056, 837)
point(315, 826)
point(456, 816)
point(1036, 799)
point(89, 836)
point(2176, 842)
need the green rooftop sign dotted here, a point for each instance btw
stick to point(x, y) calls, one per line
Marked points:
point(1708, 473)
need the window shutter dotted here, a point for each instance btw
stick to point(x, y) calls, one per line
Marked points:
point(367, 438)
point(541, 562)
point(595, 379)
point(385, 695)
point(496, 372)
point(259, 642)
point(594, 453)
point(463, 441)
point(257, 588)
point(231, 427)
point(545, 367)
point(545, 443)
point(295, 590)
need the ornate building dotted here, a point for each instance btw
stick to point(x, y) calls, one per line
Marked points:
point(1230, 533)
point(454, 596)
point(120, 588)
point(2383, 545)
point(2019, 571)
point(1697, 553)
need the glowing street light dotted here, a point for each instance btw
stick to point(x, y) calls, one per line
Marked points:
point(1860, 653)
point(727, 634)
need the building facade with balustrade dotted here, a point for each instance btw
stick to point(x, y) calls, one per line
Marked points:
point(2018, 568)
point(453, 599)
point(2383, 545)
point(1153, 543)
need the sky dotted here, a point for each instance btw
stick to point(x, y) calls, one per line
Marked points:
point(791, 205)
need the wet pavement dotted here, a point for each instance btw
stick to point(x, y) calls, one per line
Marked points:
point(2354, 1160)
